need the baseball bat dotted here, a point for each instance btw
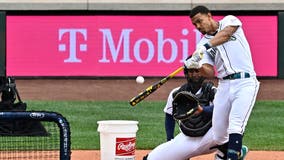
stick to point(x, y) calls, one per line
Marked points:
point(142, 95)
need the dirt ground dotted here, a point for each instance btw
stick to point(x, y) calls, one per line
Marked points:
point(118, 89)
point(252, 155)
point(125, 89)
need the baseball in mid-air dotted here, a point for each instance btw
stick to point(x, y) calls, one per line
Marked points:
point(140, 79)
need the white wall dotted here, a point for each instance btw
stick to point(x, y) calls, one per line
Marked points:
point(258, 5)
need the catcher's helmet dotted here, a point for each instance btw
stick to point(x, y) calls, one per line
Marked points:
point(193, 78)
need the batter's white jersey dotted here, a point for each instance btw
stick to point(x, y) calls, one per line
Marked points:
point(233, 56)
point(234, 98)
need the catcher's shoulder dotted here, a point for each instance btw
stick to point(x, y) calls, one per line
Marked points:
point(208, 85)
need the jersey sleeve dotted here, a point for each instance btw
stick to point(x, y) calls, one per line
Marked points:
point(207, 59)
point(169, 107)
point(207, 111)
point(230, 21)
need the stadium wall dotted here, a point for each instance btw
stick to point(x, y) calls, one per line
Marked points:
point(280, 45)
point(178, 5)
point(2, 44)
point(143, 7)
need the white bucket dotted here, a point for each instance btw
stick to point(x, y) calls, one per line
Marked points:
point(117, 139)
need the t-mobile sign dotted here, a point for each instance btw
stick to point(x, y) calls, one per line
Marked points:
point(119, 45)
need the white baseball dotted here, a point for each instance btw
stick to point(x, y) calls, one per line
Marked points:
point(140, 79)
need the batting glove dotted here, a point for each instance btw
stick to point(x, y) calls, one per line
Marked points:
point(198, 53)
point(191, 64)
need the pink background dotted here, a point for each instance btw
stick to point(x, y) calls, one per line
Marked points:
point(33, 44)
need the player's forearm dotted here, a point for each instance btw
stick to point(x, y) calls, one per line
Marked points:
point(223, 36)
point(207, 71)
point(207, 111)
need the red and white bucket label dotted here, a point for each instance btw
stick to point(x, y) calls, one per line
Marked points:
point(125, 146)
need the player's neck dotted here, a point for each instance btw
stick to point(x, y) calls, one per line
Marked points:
point(214, 30)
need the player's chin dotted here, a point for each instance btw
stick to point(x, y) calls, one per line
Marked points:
point(203, 32)
point(195, 80)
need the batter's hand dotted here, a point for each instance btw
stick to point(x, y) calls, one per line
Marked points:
point(191, 64)
point(198, 53)
point(198, 111)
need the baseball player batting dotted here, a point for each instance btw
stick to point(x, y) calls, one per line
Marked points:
point(225, 47)
point(191, 106)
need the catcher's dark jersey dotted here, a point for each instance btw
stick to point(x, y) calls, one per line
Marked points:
point(198, 125)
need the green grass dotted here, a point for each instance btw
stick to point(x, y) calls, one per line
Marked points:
point(264, 130)
point(266, 126)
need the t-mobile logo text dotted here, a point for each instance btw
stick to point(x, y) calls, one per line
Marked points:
point(72, 43)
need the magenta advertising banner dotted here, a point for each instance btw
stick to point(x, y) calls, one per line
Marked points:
point(119, 45)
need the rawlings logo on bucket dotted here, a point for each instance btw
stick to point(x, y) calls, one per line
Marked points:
point(125, 146)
